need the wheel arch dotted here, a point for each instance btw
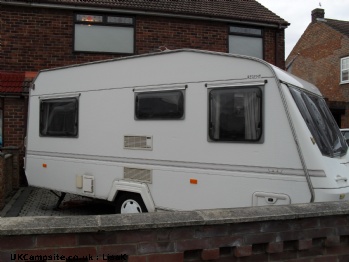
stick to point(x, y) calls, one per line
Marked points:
point(132, 187)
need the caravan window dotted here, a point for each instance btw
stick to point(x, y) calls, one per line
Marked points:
point(320, 122)
point(160, 105)
point(59, 117)
point(235, 114)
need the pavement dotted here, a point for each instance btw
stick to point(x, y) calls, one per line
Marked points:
point(30, 201)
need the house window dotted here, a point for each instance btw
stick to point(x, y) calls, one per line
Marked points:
point(235, 114)
point(104, 33)
point(59, 117)
point(246, 41)
point(345, 70)
point(160, 105)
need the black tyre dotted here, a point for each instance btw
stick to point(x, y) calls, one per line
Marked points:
point(129, 203)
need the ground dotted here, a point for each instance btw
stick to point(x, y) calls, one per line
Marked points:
point(29, 201)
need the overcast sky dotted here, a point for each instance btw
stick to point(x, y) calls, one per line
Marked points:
point(298, 14)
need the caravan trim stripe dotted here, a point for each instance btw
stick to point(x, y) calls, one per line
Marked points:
point(179, 164)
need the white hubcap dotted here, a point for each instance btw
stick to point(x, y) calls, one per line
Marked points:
point(130, 206)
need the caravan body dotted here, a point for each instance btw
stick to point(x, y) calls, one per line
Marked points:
point(184, 130)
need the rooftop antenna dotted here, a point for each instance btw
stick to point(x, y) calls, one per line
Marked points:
point(320, 4)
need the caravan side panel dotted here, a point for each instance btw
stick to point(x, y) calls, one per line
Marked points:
point(227, 174)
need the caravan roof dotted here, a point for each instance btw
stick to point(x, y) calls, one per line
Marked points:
point(282, 75)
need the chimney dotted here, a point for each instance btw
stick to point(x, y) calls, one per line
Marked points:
point(316, 14)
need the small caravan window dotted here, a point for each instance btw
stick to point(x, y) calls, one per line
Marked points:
point(235, 114)
point(160, 105)
point(59, 117)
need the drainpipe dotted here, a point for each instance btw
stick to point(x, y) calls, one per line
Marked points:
point(276, 47)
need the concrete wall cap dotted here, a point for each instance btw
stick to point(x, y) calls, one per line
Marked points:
point(82, 224)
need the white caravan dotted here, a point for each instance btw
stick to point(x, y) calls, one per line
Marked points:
point(184, 130)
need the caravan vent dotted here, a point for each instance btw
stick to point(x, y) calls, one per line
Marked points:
point(138, 142)
point(143, 175)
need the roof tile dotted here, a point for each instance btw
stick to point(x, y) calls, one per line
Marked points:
point(340, 26)
point(249, 10)
point(13, 82)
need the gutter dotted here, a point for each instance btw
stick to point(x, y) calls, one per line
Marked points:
point(13, 95)
point(138, 12)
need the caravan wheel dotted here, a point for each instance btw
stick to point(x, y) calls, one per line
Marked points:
point(128, 203)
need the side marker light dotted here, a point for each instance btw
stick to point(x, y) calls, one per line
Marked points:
point(193, 181)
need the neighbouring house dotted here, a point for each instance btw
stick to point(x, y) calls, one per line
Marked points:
point(40, 34)
point(321, 56)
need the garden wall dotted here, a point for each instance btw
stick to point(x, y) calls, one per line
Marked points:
point(307, 232)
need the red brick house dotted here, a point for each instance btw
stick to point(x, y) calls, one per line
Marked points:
point(321, 56)
point(40, 34)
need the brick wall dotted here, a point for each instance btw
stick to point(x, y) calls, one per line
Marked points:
point(320, 49)
point(14, 126)
point(37, 38)
point(14, 121)
point(9, 173)
point(180, 33)
point(308, 233)
point(274, 47)
point(5, 177)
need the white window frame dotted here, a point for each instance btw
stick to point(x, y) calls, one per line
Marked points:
point(99, 33)
point(251, 134)
point(50, 108)
point(346, 69)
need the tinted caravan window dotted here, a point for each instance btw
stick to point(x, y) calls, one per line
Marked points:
point(235, 114)
point(160, 105)
point(59, 117)
point(320, 122)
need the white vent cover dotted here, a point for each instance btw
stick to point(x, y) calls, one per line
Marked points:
point(138, 174)
point(138, 142)
point(87, 185)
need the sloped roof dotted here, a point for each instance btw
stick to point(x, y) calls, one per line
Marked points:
point(340, 26)
point(14, 83)
point(243, 10)
point(11, 82)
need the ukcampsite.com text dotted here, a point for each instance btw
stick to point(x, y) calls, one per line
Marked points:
point(104, 257)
